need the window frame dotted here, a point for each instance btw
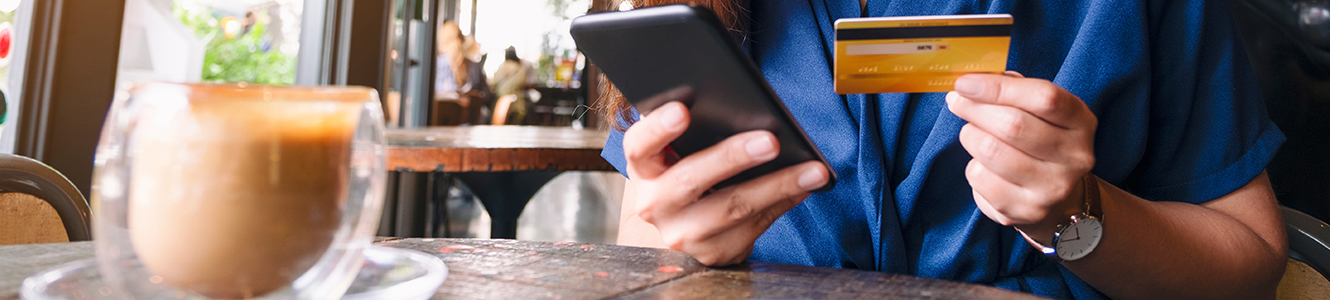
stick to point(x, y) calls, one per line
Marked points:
point(68, 83)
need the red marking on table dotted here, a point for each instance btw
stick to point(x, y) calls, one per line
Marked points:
point(602, 274)
point(532, 252)
point(563, 243)
point(670, 269)
point(445, 250)
point(587, 246)
point(460, 247)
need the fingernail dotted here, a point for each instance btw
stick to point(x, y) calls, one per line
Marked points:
point(760, 147)
point(811, 179)
point(968, 86)
point(672, 117)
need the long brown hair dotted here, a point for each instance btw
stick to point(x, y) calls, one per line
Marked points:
point(730, 12)
point(452, 45)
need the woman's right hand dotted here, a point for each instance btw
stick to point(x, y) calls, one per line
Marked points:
point(717, 227)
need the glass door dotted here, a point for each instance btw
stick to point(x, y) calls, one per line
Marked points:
point(15, 20)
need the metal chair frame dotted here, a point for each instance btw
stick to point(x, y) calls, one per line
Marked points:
point(1308, 240)
point(25, 175)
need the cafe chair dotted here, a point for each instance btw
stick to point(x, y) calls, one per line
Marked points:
point(38, 205)
point(448, 112)
point(501, 108)
point(1309, 258)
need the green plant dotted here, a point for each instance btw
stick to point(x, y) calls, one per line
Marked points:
point(549, 43)
point(240, 58)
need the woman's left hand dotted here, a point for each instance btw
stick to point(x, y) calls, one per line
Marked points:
point(1032, 141)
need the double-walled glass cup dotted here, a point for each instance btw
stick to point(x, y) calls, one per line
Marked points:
point(236, 191)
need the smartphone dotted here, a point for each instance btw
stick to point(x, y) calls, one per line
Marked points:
point(648, 51)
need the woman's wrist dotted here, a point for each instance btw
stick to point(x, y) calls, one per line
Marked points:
point(1078, 201)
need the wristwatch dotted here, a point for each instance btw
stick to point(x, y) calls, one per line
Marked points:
point(1078, 237)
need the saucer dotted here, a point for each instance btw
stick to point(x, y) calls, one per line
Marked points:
point(387, 273)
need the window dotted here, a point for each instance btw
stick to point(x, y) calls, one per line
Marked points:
point(213, 41)
point(14, 15)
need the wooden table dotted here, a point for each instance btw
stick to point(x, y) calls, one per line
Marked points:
point(503, 165)
point(511, 269)
point(495, 149)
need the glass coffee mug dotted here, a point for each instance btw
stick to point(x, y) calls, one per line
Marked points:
point(237, 192)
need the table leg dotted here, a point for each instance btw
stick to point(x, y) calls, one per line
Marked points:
point(437, 197)
point(505, 195)
point(412, 199)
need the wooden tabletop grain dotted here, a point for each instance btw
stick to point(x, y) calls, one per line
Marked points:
point(512, 269)
point(496, 148)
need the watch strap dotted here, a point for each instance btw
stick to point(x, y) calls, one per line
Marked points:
point(1049, 251)
point(1092, 208)
point(1093, 205)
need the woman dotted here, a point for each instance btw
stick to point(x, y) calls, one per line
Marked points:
point(458, 78)
point(1141, 113)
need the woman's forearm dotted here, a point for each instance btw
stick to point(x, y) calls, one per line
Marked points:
point(1233, 247)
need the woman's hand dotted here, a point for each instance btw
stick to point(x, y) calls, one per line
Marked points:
point(1032, 141)
point(717, 227)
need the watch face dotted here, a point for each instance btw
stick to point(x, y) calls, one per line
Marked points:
point(1079, 239)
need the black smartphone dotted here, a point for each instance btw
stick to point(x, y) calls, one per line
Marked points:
point(648, 51)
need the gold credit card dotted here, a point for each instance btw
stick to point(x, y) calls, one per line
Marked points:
point(918, 54)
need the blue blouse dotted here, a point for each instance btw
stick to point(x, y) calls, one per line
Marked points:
point(1180, 119)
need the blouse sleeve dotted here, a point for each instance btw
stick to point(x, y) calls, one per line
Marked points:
point(1184, 115)
point(613, 152)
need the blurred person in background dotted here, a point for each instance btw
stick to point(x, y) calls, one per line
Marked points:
point(460, 87)
point(514, 77)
